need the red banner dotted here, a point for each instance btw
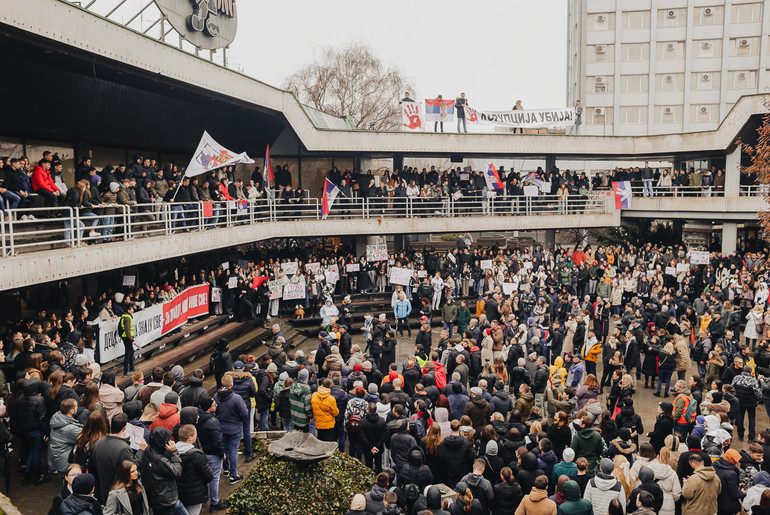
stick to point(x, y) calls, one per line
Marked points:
point(192, 302)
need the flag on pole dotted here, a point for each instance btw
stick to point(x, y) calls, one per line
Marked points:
point(330, 193)
point(211, 155)
point(623, 194)
point(267, 175)
point(492, 178)
point(534, 179)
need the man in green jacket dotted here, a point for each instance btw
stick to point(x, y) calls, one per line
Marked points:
point(449, 315)
point(588, 443)
point(575, 504)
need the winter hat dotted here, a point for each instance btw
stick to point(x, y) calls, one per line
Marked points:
point(303, 376)
point(114, 187)
point(568, 455)
point(272, 368)
point(178, 372)
point(762, 478)
point(461, 487)
point(83, 484)
point(284, 376)
point(716, 398)
point(607, 466)
point(358, 368)
point(95, 179)
point(367, 365)
point(624, 434)
point(323, 334)
point(700, 419)
point(119, 297)
point(457, 388)
point(478, 392)
point(372, 388)
point(732, 456)
point(646, 475)
point(206, 402)
point(492, 448)
point(358, 503)
point(667, 407)
point(171, 398)
point(392, 375)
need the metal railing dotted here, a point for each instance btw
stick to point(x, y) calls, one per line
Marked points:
point(754, 190)
point(679, 191)
point(37, 229)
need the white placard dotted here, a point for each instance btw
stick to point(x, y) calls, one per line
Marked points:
point(422, 273)
point(377, 252)
point(528, 264)
point(216, 294)
point(670, 270)
point(293, 291)
point(650, 274)
point(485, 264)
point(699, 257)
point(290, 268)
point(232, 282)
point(313, 267)
point(276, 289)
point(545, 188)
point(465, 176)
point(400, 276)
point(531, 191)
point(509, 288)
point(332, 274)
point(226, 265)
point(135, 435)
point(353, 267)
point(682, 267)
point(129, 280)
point(457, 195)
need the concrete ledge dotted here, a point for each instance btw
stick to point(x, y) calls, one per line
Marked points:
point(53, 265)
point(702, 208)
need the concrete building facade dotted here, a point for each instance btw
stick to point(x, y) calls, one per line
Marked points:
point(662, 67)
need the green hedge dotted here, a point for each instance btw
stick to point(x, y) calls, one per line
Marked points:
point(281, 486)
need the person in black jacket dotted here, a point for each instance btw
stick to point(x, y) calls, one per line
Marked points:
point(210, 437)
point(264, 397)
point(243, 385)
point(196, 473)
point(508, 494)
point(648, 484)
point(457, 455)
point(372, 434)
point(30, 424)
point(193, 393)
point(415, 471)
point(161, 468)
point(664, 425)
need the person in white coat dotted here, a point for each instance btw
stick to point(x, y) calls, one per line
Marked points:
point(438, 288)
point(754, 321)
point(667, 480)
point(604, 487)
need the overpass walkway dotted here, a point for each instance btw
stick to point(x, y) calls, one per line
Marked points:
point(46, 248)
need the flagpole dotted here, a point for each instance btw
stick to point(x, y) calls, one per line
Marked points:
point(181, 179)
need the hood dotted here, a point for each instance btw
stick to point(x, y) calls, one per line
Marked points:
point(762, 479)
point(189, 415)
point(59, 420)
point(184, 447)
point(377, 493)
point(527, 396)
point(159, 437)
point(454, 442)
point(167, 410)
point(571, 490)
point(529, 461)
point(415, 457)
point(501, 395)
point(586, 433)
point(473, 480)
point(195, 382)
point(323, 392)
point(661, 471)
point(549, 458)
point(31, 387)
point(433, 497)
point(706, 473)
point(605, 483)
point(224, 394)
point(558, 362)
point(442, 415)
point(479, 402)
point(537, 495)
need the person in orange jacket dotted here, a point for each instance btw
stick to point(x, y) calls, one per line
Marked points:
point(325, 411)
point(591, 350)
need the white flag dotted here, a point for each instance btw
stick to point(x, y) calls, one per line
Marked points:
point(210, 155)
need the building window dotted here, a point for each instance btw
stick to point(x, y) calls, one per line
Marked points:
point(600, 53)
point(601, 21)
point(668, 114)
point(710, 15)
point(746, 13)
point(744, 46)
point(704, 81)
point(636, 19)
point(634, 83)
point(707, 48)
point(633, 114)
point(635, 52)
point(669, 82)
point(704, 113)
point(672, 17)
point(600, 115)
point(600, 84)
point(667, 50)
point(742, 79)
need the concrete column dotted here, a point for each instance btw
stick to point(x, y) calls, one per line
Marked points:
point(363, 241)
point(364, 164)
point(398, 161)
point(733, 175)
point(550, 238)
point(729, 237)
point(550, 163)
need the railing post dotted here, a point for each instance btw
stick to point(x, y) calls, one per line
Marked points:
point(73, 238)
point(2, 234)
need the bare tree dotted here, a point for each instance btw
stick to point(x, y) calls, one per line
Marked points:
point(760, 166)
point(352, 81)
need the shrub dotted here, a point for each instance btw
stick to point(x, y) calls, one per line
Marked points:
point(282, 486)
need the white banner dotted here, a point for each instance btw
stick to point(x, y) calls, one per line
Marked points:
point(211, 155)
point(216, 294)
point(332, 274)
point(421, 274)
point(524, 118)
point(699, 257)
point(377, 252)
point(148, 325)
point(313, 267)
point(682, 267)
point(400, 275)
point(294, 291)
point(509, 288)
point(670, 270)
point(129, 280)
point(290, 268)
point(276, 289)
point(485, 264)
point(353, 267)
point(232, 282)
point(411, 116)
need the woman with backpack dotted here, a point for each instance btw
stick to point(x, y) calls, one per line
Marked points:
point(354, 414)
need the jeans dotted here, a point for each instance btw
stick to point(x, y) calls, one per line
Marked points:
point(247, 451)
point(177, 211)
point(215, 462)
point(465, 129)
point(230, 443)
point(195, 509)
point(11, 199)
point(664, 376)
point(128, 357)
point(354, 444)
point(648, 188)
point(339, 428)
point(288, 425)
point(448, 326)
point(264, 417)
point(590, 367)
point(108, 223)
point(176, 509)
point(68, 236)
point(34, 459)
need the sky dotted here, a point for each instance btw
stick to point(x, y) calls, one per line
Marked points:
point(496, 51)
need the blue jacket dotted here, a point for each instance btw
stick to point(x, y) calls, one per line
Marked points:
point(402, 309)
point(231, 411)
point(457, 401)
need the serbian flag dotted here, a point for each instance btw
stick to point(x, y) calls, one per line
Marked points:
point(623, 194)
point(439, 109)
point(268, 175)
point(492, 178)
point(534, 179)
point(330, 193)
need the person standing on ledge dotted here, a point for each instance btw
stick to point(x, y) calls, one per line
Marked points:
point(127, 333)
point(460, 104)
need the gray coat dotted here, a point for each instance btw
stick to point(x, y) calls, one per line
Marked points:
point(118, 502)
point(64, 432)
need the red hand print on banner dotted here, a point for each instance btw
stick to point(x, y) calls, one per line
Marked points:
point(472, 116)
point(412, 112)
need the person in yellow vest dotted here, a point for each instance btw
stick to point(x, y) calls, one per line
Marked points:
point(127, 332)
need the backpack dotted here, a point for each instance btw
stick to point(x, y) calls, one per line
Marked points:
point(353, 424)
point(215, 363)
point(692, 411)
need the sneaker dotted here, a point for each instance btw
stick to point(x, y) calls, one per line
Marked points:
point(656, 394)
point(31, 217)
point(221, 505)
point(94, 234)
point(236, 479)
point(43, 478)
point(24, 217)
point(249, 459)
point(226, 472)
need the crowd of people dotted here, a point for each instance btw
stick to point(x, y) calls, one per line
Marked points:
point(509, 406)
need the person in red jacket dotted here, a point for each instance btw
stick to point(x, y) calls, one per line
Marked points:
point(43, 184)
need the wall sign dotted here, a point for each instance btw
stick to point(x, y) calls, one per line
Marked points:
point(207, 24)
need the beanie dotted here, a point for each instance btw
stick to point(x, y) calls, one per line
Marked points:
point(607, 466)
point(83, 484)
